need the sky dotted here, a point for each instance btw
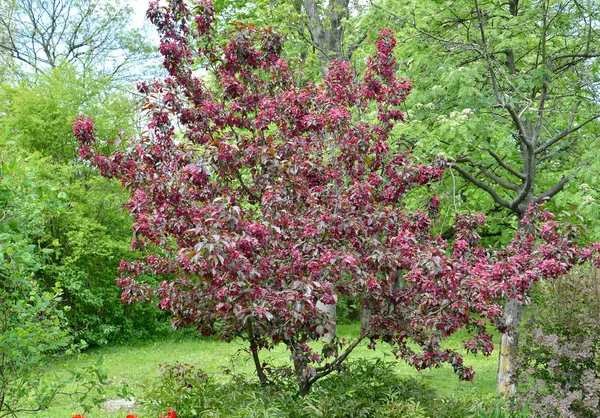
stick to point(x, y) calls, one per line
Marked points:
point(139, 20)
point(139, 11)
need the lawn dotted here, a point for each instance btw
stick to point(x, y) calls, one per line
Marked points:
point(137, 363)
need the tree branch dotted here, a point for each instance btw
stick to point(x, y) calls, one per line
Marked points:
point(324, 371)
point(253, 195)
point(564, 133)
point(355, 45)
point(558, 151)
point(497, 179)
point(505, 166)
point(555, 189)
point(489, 174)
point(512, 112)
point(481, 185)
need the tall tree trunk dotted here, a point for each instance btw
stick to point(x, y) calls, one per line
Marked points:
point(509, 341)
point(326, 26)
point(508, 348)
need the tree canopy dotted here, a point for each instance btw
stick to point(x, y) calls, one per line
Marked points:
point(95, 36)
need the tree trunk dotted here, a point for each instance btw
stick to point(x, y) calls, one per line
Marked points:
point(331, 312)
point(509, 341)
point(365, 320)
point(508, 348)
point(254, 351)
point(301, 370)
point(327, 29)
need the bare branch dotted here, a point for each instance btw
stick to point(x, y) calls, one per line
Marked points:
point(497, 179)
point(564, 133)
point(505, 166)
point(586, 55)
point(556, 152)
point(490, 175)
point(355, 45)
point(490, 190)
point(41, 33)
point(556, 188)
point(447, 42)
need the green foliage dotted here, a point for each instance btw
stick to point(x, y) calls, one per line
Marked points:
point(582, 198)
point(93, 237)
point(348, 310)
point(33, 325)
point(75, 218)
point(39, 112)
point(79, 221)
point(364, 389)
point(453, 109)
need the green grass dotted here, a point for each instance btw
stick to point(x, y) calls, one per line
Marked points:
point(137, 363)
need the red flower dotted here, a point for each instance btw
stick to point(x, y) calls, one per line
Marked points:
point(170, 414)
point(131, 416)
point(78, 416)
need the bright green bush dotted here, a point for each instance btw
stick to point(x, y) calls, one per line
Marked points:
point(33, 324)
point(94, 236)
point(84, 230)
point(363, 389)
point(32, 327)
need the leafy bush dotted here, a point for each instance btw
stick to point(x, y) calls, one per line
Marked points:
point(33, 325)
point(79, 217)
point(362, 389)
point(73, 220)
point(94, 236)
point(559, 365)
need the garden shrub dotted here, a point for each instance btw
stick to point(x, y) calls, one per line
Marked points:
point(33, 324)
point(93, 236)
point(362, 389)
point(559, 365)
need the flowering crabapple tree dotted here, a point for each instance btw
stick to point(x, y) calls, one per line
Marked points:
point(267, 197)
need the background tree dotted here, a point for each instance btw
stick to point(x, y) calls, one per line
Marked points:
point(94, 36)
point(39, 102)
point(38, 111)
point(515, 87)
point(271, 192)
